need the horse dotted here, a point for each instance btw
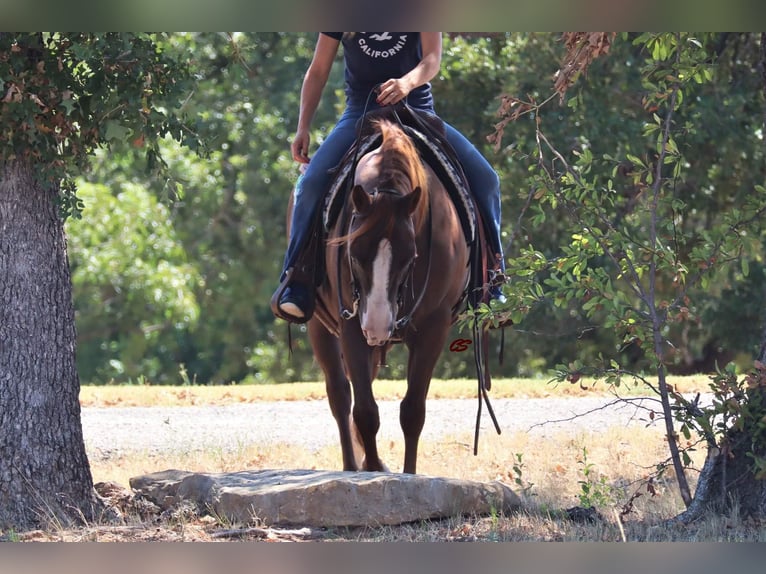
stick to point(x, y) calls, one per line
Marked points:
point(397, 271)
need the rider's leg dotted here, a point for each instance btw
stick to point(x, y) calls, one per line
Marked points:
point(309, 191)
point(485, 185)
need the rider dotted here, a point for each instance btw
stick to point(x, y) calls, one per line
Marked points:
point(401, 65)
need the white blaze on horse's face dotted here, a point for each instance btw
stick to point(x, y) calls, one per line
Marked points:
point(377, 318)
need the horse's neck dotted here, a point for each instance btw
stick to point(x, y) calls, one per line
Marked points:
point(368, 168)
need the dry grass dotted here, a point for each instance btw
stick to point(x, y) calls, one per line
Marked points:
point(156, 395)
point(550, 481)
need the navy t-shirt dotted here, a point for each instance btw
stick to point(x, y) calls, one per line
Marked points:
point(374, 57)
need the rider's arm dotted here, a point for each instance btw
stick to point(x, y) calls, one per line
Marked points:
point(428, 67)
point(397, 89)
point(311, 92)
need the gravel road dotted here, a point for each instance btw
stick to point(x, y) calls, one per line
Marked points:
point(111, 431)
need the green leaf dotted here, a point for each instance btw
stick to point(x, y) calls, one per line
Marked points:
point(116, 132)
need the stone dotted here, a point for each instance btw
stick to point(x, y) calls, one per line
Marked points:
point(325, 498)
point(118, 502)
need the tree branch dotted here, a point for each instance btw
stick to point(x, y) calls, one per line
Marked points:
point(605, 406)
point(657, 320)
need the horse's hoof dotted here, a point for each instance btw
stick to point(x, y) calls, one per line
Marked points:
point(380, 467)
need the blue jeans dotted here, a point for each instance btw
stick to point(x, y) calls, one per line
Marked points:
point(313, 183)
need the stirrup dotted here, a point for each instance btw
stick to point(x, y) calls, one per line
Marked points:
point(279, 313)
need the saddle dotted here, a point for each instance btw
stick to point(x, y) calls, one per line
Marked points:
point(427, 133)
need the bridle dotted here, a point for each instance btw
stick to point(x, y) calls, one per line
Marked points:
point(402, 322)
point(345, 312)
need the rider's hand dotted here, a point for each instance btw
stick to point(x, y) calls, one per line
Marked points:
point(300, 146)
point(392, 91)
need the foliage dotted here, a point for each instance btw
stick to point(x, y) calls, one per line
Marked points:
point(605, 127)
point(230, 216)
point(595, 491)
point(127, 262)
point(66, 94)
point(738, 404)
point(636, 255)
point(521, 481)
point(242, 92)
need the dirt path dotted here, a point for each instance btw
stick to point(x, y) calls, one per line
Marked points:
point(310, 424)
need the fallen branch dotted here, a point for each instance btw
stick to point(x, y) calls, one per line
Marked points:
point(268, 533)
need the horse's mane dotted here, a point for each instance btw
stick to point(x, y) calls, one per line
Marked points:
point(401, 171)
point(401, 166)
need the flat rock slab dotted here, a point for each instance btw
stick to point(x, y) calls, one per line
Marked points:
point(325, 498)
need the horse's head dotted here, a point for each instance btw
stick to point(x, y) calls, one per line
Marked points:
point(382, 253)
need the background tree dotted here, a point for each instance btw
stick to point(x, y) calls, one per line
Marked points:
point(649, 241)
point(62, 96)
point(127, 263)
point(605, 115)
point(229, 219)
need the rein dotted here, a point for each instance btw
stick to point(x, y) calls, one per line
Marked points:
point(481, 345)
point(405, 321)
point(345, 313)
point(481, 341)
point(480, 336)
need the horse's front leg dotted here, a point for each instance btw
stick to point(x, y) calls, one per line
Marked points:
point(327, 354)
point(358, 357)
point(424, 346)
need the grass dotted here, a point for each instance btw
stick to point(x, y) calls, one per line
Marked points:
point(188, 395)
point(550, 481)
point(606, 468)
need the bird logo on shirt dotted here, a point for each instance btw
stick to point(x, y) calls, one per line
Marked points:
point(381, 36)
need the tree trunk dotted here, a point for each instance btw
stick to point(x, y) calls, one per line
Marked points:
point(734, 482)
point(44, 473)
point(728, 479)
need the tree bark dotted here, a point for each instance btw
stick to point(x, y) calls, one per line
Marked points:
point(727, 479)
point(44, 472)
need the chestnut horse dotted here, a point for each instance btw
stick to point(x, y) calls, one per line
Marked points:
point(397, 264)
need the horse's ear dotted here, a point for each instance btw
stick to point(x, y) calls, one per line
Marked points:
point(414, 199)
point(360, 199)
